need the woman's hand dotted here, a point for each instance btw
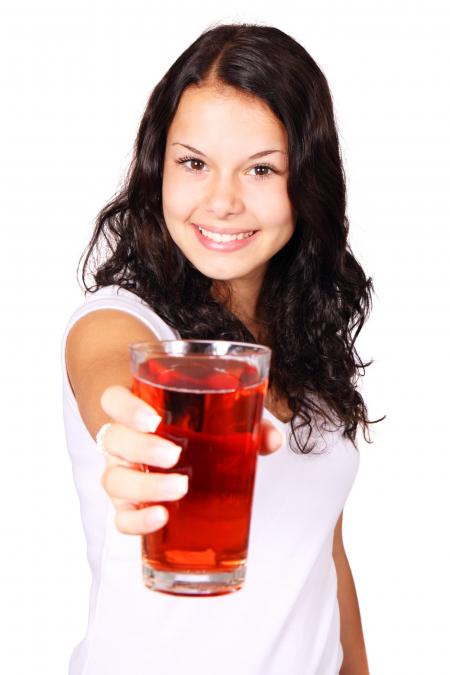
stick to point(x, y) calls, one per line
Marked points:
point(129, 445)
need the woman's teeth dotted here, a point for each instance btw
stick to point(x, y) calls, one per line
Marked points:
point(215, 236)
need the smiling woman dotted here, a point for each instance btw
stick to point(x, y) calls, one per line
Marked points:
point(294, 284)
point(243, 239)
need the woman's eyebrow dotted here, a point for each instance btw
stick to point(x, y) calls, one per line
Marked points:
point(255, 156)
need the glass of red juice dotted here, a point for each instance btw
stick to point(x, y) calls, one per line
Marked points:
point(210, 395)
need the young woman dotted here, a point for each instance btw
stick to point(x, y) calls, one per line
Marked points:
point(231, 224)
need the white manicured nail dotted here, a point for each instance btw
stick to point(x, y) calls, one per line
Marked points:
point(171, 453)
point(177, 486)
point(147, 421)
point(156, 516)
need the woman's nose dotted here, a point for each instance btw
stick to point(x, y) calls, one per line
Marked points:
point(224, 197)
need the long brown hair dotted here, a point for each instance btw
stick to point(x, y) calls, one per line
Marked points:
point(315, 296)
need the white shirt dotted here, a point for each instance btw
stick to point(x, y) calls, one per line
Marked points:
point(285, 619)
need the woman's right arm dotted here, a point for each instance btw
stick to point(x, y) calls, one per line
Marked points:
point(98, 367)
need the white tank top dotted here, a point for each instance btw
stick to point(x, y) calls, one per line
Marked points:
point(284, 621)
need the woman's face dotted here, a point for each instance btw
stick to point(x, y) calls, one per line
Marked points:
point(215, 183)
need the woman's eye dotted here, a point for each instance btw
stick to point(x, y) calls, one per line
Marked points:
point(185, 161)
point(264, 166)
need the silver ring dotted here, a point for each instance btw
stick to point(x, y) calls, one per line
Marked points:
point(99, 438)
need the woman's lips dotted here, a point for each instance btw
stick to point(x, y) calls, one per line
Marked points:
point(226, 245)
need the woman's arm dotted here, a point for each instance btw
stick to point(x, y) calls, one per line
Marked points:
point(97, 357)
point(98, 368)
point(352, 639)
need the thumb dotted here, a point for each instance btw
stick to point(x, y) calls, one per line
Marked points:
point(272, 438)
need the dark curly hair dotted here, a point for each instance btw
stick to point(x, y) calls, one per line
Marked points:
point(315, 297)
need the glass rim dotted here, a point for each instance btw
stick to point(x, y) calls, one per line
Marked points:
point(147, 345)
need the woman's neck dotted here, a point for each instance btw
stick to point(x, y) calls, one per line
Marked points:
point(241, 299)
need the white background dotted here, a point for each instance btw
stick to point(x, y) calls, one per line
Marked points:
point(75, 77)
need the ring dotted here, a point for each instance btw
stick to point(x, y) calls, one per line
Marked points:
point(99, 438)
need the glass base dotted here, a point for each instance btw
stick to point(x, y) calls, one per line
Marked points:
point(194, 583)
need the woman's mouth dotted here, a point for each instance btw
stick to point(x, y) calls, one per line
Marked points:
point(224, 242)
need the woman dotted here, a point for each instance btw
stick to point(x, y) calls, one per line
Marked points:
point(237, 143)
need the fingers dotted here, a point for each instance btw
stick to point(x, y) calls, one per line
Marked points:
point(272, 438)
point(141, 521)
point(121, 482)
point(140, 448)
point(124, 407)
point(129, 442)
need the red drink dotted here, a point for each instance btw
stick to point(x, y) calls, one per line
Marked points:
point(212, 409)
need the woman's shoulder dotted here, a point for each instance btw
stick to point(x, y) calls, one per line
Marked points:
point(116, 297)
point(112, 291)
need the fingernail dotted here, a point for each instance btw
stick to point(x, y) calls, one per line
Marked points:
point(177, 485)
point(156, 516)
point(166, 455)
point(146, 420)
point(172, 453)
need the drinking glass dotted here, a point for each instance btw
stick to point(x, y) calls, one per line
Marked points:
point(210, 395)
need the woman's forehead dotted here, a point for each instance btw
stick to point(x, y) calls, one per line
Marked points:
point(205, 116)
